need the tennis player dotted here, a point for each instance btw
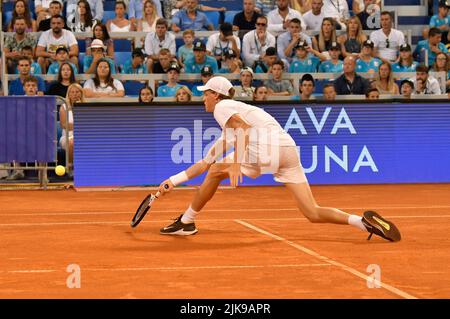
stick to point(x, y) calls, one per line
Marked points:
point(260, 146)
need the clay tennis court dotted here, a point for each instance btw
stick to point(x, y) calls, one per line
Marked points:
point(252, 243)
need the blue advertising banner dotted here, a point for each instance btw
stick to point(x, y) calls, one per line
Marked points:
point(231, 5)
point(338, 143)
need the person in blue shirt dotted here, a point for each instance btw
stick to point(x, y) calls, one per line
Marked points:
point(303, 62)
point(98, 51)
point(264, 65)
point(170, 89)
point(366, 63)
point(334, 65)
point(61, 56)
point(35, 67)
point(194, 64)
point(405, 62)
point(440, 20)
point(16, 86)
point(206, 74)
point(307, 87)
point(432, 45)
point(191, 18)
point(136, 64)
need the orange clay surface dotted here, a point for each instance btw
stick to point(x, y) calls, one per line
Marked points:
point(252, 243)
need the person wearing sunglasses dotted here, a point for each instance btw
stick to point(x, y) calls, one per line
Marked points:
point(256, 42)
point(387, 40)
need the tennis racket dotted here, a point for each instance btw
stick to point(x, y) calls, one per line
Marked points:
point(145, 207)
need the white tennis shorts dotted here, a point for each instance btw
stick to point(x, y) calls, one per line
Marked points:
point(281, 161)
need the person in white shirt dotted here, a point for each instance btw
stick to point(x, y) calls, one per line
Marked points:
point(256, 42)
point(220, 43)
point(287, 41)
point(387, 40)
point(431, 84)
point(261, 146)
point(56, 37)
point(313, 18)
point(155, 41)
point(103, 85)
point(41, 8)
point(280, 17)
point(338, 10)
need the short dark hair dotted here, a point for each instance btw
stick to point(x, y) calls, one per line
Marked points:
point(371, 90)
point(296, 20)
point(307, 77)
point(384, 13)
point(408, 82)
point(162, 21)
point(57, 16)
point(329, 85)
point(434, 31)
point(31, 78)
point(422, 68)
point(56, 1)
point(279, 62)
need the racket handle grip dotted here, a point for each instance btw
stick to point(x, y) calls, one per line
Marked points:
point(166, 186)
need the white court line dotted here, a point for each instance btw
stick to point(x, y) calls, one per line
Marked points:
point(326, 259)
point(200, 220)
point(217, 210)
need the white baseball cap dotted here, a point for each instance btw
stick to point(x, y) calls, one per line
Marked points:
point(218, 84)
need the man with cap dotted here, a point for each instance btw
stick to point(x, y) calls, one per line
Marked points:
point(230, 64)
point(194, 64)
point(206, 73)
point(256, 42)
point(173, 75)
point(405, 62)
point(264, 65)
point(98, 51)
point(432, 45)
point(334, 65)
point(62, 55)
point(218, 44)
point(287, 41)
point(136, 65)
point(261, 146)
point(191, 18)
point(303, 62)
point(245, 89)
point(366, 62)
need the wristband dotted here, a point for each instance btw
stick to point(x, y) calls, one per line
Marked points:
point(179, 178)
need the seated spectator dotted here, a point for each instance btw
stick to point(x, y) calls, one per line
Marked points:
point(103, 85)
point(75, 94)
point(170, 89)
point(42, 10)
point(261, 93)
point(13, 44)
point(246, 19)
point(183, 94)
point(22, 10)
point(30, 86)
point(163, 62)
point(136, 64)
point(146, 94)
point(83, 20)
point(307, 86)
point(359, 6)
point(329, 92)
point(405, 62)
point(263, 7)
point(385, 80)
point(353, 39)
point(256, 42)
point(195, 63)
point(327, 35)
point(432, 45)
point(279, 18)
point(55, 9)
point(264, 65)
point(313, 18)
point(350, 82)
point(370, 15)
point(61, 56)
point(96, 8)
point(120, 23)
point(246, 88)
point(27, 51)
point(387, 40)
point(98, 52)
point(333, 65)
point(218, 44)
point(442, 64)
point(101, 33)
point(372, 94)
point(186, 50)
point(191, 18)
point(337, 10)
point(276, 86)
point(148, 21)
point(16, 86)
point(206, 73)
point(428, 84)
point(366, 62)
point(56, 37)
point(231, 64)
point(66, 77)
point(303, 62)
point(406, 88)
point(441, 20)
point(158, 40)
point(287, 41)
point(136, 10)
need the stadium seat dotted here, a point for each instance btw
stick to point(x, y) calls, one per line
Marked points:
point(7, 16)
point(81, 56)
point(122, 45)
point(229, 16)
point(109, 5)
point(121, 57)
point(81, 45)
point(108, 15)
point(214, 17)
point(132, 88)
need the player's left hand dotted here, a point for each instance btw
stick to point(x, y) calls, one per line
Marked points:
point(235, 174)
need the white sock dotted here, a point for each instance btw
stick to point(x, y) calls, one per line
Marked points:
point(189, 216)
point(356, 221)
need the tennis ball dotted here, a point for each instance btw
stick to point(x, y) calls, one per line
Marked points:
point(60, 170)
